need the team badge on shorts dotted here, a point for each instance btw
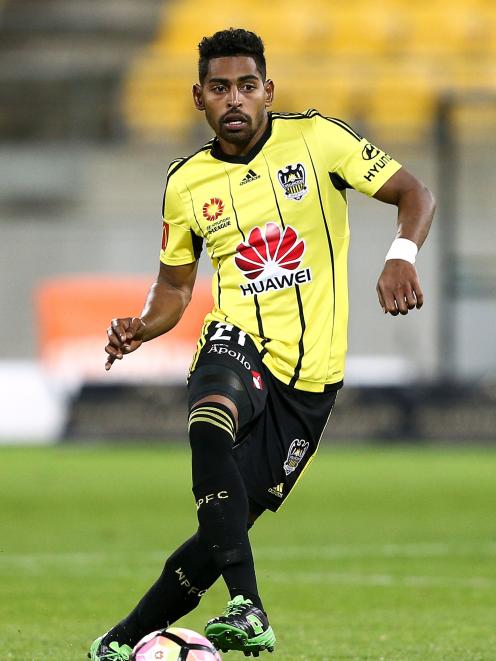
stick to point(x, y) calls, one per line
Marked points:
point(296, 452)
point(293, 181)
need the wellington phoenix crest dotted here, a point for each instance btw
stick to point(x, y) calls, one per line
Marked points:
point(270, 259)
point(296, 452)
point(293, 180)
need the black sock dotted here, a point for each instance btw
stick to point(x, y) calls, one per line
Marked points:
point(187, 575)
point(221, 498)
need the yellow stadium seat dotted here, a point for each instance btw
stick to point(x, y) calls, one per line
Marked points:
point(386, 61)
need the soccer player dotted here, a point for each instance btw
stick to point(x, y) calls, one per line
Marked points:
point(267, 198)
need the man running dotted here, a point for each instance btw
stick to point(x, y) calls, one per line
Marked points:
point(267, 198)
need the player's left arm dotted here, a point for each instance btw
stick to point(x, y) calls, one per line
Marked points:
point(398, 287)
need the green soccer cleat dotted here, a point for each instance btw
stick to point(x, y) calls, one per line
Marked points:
point(242, 627)
point(112, 651)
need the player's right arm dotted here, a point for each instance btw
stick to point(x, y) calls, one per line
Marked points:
point(164, 307)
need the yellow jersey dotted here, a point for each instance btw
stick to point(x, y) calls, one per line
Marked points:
point(275, 225)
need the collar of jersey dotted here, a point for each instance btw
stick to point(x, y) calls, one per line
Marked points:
point(217, 152)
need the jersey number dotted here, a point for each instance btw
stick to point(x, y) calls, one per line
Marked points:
point(228, 328)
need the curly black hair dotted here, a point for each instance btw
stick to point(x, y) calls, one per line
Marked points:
point(235, 41)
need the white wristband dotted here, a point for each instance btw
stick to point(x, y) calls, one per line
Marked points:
point(403, 249)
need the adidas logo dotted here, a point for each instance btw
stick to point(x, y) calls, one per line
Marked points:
point(251, 176)
point(277, 490)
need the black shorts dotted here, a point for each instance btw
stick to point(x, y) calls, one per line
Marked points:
point(281, 435)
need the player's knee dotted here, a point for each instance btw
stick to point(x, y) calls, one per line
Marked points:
point(212, 400)
point(219, 384)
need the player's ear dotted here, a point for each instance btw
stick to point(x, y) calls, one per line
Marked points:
point(198, 97)
point(269, 92)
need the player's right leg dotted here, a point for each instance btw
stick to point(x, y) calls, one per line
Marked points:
point(226, 395)
point(222, 504)
point(220, 493)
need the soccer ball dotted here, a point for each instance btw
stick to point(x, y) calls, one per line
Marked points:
point(175, 644)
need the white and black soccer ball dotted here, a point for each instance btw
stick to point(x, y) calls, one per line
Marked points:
point(175, 644)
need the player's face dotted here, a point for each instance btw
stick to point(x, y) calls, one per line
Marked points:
point(235, 100)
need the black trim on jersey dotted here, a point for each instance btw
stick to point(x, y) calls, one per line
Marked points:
point(194, 214)
point(338, 182)
point(346, 126)
point(180, 162)
point(218, 285)
point(260, 325)
point(301, 346)
point(184, 159)
point(217, 152)
point(234, 208)
point(275, 194)
point(343, 125)
point(339, 122)
point(163, 201)
point(309, 114)
point(329, 240)
point(197, 242)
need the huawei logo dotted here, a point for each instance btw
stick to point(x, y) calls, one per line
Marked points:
point(213, 209)
point(269, 252)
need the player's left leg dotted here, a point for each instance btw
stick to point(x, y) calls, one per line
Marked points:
point(188, 573)
point(186, 576)
point(272, 458)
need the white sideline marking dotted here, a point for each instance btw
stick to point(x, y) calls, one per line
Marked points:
point(384, 580)
point(75, 562)
point(407, 550)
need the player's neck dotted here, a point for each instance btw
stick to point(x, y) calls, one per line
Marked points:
point(232, 149)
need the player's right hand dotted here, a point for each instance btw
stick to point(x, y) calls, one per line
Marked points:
point(124, 336)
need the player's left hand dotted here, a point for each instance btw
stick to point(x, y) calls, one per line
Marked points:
point(398, 287)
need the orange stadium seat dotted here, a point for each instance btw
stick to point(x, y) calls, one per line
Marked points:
point(74, 312)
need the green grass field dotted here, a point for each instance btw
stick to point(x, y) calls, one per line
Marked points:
point(379, 554)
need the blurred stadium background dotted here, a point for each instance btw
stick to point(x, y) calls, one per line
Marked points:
point(95, 102)
point(386, 552)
